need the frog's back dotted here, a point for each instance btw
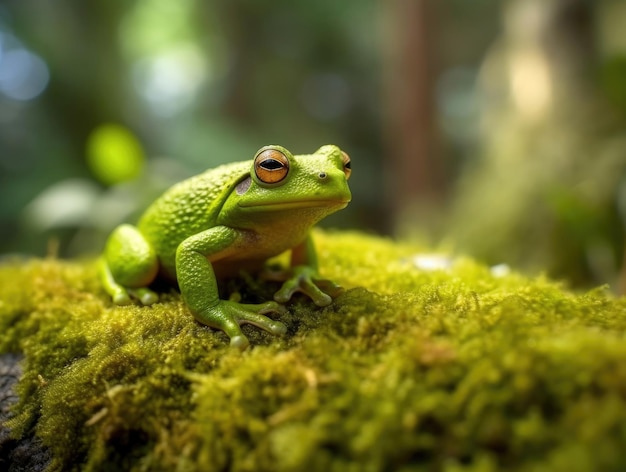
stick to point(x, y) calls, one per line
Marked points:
point(188, 208)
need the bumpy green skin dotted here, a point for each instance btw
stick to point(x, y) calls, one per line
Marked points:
point(223, 221)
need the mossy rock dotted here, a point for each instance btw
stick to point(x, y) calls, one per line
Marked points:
point(457, 369)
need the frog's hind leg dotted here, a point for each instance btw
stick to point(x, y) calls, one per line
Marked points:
point(128, 266)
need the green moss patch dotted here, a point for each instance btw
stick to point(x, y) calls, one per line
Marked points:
point(454, 370)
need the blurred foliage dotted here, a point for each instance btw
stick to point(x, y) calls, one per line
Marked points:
point(195, 84)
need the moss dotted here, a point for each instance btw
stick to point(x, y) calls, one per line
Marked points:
point(408, 370)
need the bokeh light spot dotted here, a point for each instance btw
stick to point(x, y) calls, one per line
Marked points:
point(23, 75)
point(114, 154)
point(170, 81)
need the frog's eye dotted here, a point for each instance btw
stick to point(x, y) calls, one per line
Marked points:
point(271, 166)
point(347, 166)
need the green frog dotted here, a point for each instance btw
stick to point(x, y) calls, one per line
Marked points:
point(226, 220)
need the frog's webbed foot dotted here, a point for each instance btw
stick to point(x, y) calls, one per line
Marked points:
point(304, 279)
point(229, 316)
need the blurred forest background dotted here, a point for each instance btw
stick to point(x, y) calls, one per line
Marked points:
point(490, 128)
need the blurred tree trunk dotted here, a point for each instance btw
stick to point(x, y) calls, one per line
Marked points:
point(543, 197)
point(414, 170)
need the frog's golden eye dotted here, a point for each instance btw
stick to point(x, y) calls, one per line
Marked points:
point(347, 166)
point(271, 166)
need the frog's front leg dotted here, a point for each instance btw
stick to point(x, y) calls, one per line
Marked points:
point(198, 286)
point(304, 277)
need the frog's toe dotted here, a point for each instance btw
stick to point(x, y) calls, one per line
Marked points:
point(263, 322)
point(239, 342)
point(256, 316)
point(144, 295)
point(121, 298)
point(284, 295)
point(329, 287)
point(272, 307)
point(149, 298)
point(309, 287)
point(319, 298)
point(277, 328)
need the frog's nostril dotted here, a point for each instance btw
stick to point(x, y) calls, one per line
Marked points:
point(323, 175)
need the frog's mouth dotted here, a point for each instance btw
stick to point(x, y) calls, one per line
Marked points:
point(300, 204)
